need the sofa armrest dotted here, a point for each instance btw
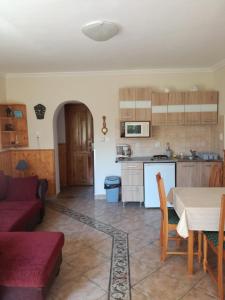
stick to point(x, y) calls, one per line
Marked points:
point(42, 189)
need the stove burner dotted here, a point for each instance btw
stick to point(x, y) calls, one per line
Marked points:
point(159, 157)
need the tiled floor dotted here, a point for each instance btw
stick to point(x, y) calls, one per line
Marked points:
point(86, 267)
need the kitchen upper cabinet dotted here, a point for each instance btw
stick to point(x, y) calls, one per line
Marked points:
point(127, 104)
point(175, 110)
point(188, 174)
point(201, 107)
point(143, 111)
point(209, 107)
point(192, 108)
point(135, 104)
point(159, 108)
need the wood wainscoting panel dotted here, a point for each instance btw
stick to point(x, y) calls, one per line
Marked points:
point(6, 162)
point(62, 164)
point(41, 163)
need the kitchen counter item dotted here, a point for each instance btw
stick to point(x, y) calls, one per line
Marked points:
point(160, 158)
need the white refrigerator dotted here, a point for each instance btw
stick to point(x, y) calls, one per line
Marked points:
point(168, 173)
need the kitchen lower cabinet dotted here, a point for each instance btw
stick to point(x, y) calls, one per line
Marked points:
point(132, 182)
point(205, 170)
point(188, 174)
point(194, 174)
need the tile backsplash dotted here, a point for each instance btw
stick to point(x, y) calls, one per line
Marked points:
point(181, 139)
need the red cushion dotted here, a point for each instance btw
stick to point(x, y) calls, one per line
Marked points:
point(28, 259)
point(20, 205)
point(18, 219)
point(3, 185)
point(23, 189)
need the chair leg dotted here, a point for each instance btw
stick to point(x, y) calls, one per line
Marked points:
point(199, 246)
point(220, 277)
point(178, 240)
point(161, 241)
point(165, 244)
point(205, 253)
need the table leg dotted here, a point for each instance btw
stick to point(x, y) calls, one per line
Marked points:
point(190, 251)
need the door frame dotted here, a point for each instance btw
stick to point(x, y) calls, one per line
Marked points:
point(55, 138)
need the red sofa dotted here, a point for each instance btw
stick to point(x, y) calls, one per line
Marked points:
point(21, 202)
point(29, 261)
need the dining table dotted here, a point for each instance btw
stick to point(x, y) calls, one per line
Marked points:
point(198, 209)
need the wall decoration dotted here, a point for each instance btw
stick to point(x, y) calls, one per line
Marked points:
point(104, 128)
point(18, 114)
point(9, 112)
point(40, 111)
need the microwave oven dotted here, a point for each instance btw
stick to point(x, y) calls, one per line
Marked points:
point(137, 129)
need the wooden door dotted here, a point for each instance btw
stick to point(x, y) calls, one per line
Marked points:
point(79, 139)
point(175, 114)
point(159, 108)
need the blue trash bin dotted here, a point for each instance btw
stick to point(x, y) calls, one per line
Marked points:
point(112, 187)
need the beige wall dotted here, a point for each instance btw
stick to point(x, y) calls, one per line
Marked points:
point(2, 89)
point(99, 91)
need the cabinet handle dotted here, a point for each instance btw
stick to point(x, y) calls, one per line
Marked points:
point(188, 166)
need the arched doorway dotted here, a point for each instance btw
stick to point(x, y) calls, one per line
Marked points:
point(73, 141)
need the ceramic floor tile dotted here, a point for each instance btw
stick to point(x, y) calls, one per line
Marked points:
point(99, 275)
point(85, 271)
point(158, 286)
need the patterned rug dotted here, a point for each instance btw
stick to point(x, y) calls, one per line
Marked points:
point(119, 284)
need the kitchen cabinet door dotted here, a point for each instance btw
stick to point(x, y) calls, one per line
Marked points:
point(209, 107)
point(127, 104)
point(175, 114)
point(192, 108)
point(188, 174)
point(143, 111)
point(205, 170)
point(159, 108)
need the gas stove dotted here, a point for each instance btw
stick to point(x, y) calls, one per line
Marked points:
point(160, 157)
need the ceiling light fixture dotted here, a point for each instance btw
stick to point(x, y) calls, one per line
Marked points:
point(100, 30)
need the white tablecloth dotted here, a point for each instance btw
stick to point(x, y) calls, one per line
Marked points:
point(197, 208)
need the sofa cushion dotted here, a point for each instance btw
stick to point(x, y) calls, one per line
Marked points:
point(28, 259)
point(3, 185)
point(20, 205)
point(22, 189)
point(18, 219)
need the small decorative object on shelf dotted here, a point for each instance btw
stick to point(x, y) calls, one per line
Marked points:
point(18, 114)
point(104, 128)
point(40, 111)
point(9, 127)
point(9, 112)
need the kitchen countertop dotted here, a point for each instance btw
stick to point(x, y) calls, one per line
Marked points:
point(148, 159)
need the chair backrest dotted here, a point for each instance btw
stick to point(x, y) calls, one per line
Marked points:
point(215, 179)
point(162, 197)
point(221, 237)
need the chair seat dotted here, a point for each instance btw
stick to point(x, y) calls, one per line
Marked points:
point(212, 236)
point(172, 216)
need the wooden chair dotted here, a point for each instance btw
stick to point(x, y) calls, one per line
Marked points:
point(216, 241)
point(215, 179)
point(169, 221)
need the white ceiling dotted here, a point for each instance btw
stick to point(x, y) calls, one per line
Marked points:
point(45, 35)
